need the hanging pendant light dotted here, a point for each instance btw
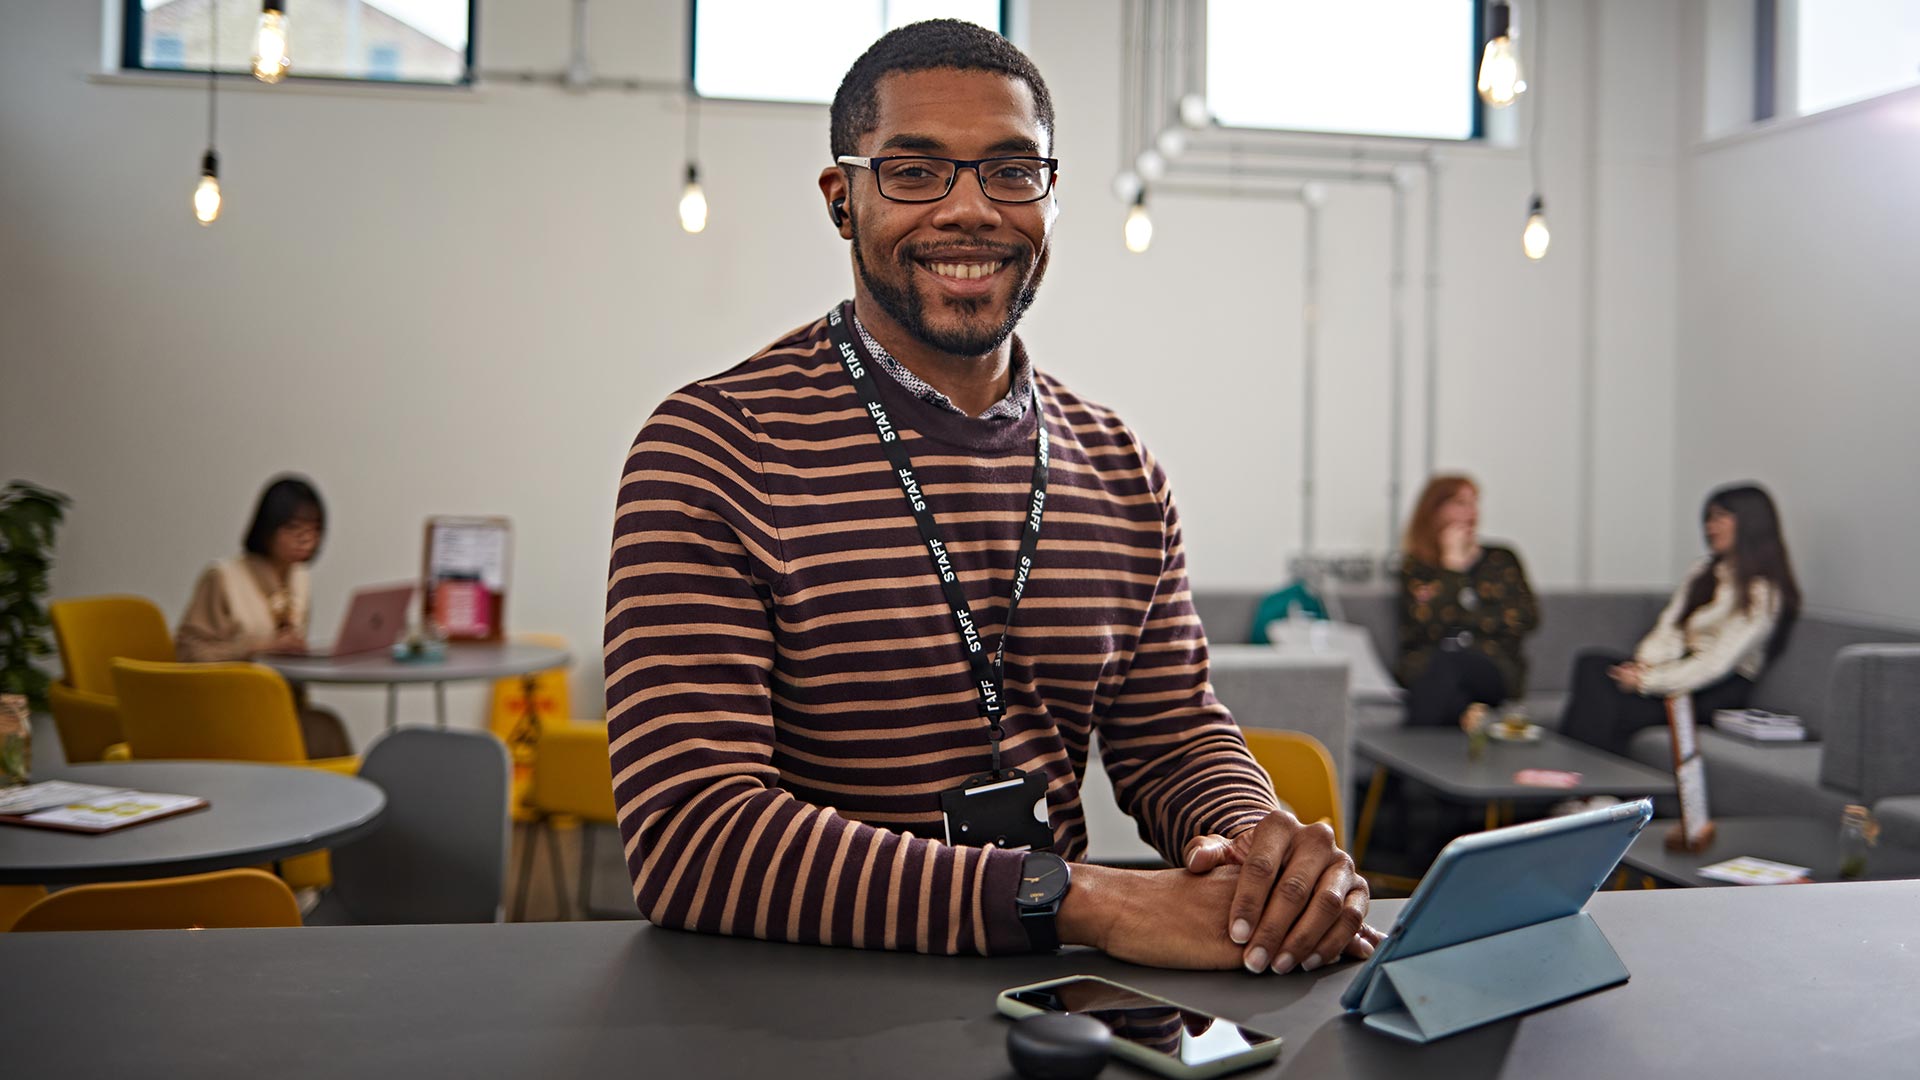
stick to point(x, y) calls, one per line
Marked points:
point(693, 202)
point(1139, 229)
point(693, 198)
point(1535, 237)
point(1500, 81)
point(206, 194)
point(271, 58)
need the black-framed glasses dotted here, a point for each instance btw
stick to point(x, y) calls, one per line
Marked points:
point(921, 179)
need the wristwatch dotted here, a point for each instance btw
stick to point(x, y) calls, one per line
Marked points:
point(1044, 878)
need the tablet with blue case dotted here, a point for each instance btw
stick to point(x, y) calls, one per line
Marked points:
point(1507, 879)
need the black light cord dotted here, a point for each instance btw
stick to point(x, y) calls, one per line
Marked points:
point(1533, 122)
point(213, 80)
point(693, 126)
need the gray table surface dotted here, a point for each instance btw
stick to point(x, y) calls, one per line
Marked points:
point(1753, 983)
point(463, 662)
point(1438, 758)
point(255, 814)
point(1800, 841)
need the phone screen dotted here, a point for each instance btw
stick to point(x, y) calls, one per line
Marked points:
point(1186, 1036)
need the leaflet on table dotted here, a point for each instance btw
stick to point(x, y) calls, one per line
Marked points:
point(112, 810)
point(30, 797)
point(1550, 778)
point(1747, 870)
point(1760, 725)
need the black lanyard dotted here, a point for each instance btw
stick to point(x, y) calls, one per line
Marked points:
point(989, 675)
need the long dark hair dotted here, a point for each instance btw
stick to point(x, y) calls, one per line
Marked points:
point(1759, 553)
point(287, 498)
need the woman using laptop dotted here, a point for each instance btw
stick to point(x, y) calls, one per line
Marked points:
point(257, 601)
point(1725, 623)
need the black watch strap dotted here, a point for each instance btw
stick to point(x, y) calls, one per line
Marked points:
point(1042, 926)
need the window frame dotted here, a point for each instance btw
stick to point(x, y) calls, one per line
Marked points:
point(133, 20)
point(1776, 67)
point(1476, 134)
point(693, 55)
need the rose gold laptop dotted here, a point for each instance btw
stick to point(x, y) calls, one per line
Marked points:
point(375, 620)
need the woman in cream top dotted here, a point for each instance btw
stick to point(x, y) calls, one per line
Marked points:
point(1723, 626)
point(244, 606)
point(257, 601)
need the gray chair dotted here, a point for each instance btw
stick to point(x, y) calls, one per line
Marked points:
point(440, 856)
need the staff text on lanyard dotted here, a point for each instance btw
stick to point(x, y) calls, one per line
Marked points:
point(989, 673)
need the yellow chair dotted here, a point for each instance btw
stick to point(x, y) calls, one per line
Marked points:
point(1302, 773)
point(15, 899)
point(514, 724)
point(220, 712)
point(226, 898)
point(571, 780)
point(91, 633)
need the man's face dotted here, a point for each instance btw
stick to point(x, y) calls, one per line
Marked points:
point(955, 274)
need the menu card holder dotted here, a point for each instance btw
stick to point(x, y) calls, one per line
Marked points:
point(464, 591)
point(1695, 832)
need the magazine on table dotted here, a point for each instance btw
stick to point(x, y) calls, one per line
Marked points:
point(1760, 725)
point(88, 808)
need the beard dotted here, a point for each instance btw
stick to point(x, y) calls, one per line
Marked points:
point(976, 335)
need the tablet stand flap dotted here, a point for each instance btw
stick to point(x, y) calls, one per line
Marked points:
point(1449, 990)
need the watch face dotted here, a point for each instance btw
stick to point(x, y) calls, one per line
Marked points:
point(1043, 879)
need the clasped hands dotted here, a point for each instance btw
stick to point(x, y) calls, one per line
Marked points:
point(1628, 676)
point(1277, 896)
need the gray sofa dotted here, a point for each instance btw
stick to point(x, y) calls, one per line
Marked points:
point(1569, 622)
point(1856, 686)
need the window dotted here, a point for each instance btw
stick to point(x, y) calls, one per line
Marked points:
point(1378, 67)
point(383, 62)
point(779, 50)
point(1846, 52)
point(417, 41)
point(169, 52)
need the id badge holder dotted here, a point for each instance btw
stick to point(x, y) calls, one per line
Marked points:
point(1008, 811)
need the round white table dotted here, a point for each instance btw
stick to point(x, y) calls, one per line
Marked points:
point(255, 814)
point(463, 663)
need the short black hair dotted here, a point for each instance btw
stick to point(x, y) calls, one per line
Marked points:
point(287, 498)
point(926, 46)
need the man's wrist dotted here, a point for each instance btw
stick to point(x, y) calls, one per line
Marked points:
point(1088, 909)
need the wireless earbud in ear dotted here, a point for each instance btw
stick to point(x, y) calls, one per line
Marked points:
point(838, 212)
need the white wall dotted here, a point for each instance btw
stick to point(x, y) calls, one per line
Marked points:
point(449, 302)
point(1800, 344)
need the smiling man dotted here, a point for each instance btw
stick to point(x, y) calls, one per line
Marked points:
point(875, 591)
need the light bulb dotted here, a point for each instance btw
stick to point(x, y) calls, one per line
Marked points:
point(270, 57)
point(1150, 165)
point(1171, 143)
point(1193, 111)
point(1139, 226)
point(206, 194)
point(1500, 82)
point(1535, 237)
point(693, 203)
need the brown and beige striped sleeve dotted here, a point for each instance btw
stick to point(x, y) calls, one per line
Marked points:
point(712, 840)
point(1178, 763)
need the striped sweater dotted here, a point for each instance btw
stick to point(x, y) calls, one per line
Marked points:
point(786, 693)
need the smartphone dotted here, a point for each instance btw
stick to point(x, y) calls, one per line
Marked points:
point(1149, 1031)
